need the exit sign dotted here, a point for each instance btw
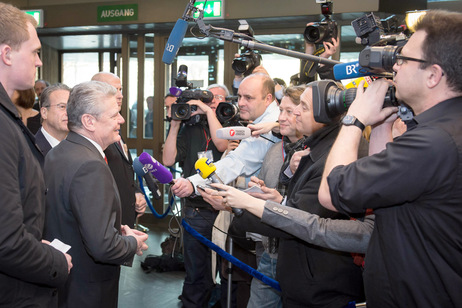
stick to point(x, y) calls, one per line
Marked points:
point(38, 16)
point(123, 12)
point(212, 9)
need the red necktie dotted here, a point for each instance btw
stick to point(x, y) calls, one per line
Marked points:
point(105, 158)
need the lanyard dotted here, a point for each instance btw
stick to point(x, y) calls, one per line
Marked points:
point(207, 139)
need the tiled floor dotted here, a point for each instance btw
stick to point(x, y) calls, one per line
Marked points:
point(138, 289)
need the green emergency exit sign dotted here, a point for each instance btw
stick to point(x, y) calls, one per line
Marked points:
point(38, 16)
point(212, 9)
point(125, 12)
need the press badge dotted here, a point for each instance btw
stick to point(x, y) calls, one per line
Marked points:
point(208, 154)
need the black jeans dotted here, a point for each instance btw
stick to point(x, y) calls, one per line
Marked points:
point(198, 283)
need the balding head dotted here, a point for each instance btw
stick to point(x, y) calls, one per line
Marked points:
point(114, 81)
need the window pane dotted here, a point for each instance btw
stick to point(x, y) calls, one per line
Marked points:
point(79, 67)
point(148, 86)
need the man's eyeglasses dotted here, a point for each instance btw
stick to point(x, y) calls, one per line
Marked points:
point(60, 107)
point(400, 60)
point(219, 97)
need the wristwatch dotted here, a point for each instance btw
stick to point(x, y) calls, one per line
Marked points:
point(351, 120)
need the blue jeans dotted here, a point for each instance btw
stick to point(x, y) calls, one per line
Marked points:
point(198, 282)
point(261, 294)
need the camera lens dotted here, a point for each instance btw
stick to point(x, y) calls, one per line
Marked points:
point(182, 111)
point(313, 33)
point(240, 65)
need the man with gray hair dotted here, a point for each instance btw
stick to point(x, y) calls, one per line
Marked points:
point(83, 203)
point(121, 164)
point(53, 104)
point(30, 270)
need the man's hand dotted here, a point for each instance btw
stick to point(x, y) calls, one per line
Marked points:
point(202, 108)
point(68, 257)
point(368, 104)
point(262, 128)
point(182, 188)
point(329, 48)
point(140, 204)
point(140, 237)
point(295, 159)
point(69, 262)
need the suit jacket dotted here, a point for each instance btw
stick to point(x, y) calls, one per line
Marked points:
point(122, 170)
point(83, 210)
point(42, 142)
point(29, 270)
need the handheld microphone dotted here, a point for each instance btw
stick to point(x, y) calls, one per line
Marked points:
point(157, 169)
point(206, 170)
point(233, 133)
point(174, 41)
point(143, 172)
point(350, 70)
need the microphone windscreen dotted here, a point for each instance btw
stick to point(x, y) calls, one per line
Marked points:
point(174, 41)
point(234, 132)
point(175, 91)
point(205, 167)
point(139, 167)
point(157, 169)
point(350, 70)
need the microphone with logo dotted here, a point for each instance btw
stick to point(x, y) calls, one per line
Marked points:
point(206, 170)
point(143, 172)
point(157, 170)
point(234, 133)
point(177, 35)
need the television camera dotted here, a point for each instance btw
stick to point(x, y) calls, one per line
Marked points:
point(181, 110)
point(228, 112)
point(383, 40)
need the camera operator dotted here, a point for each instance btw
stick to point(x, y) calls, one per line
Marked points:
point(414, 185)
point(309, 275)
point(309, 69)
point(186, 146)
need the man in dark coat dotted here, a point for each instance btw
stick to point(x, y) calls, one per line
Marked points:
point(30, 270)
point(83, 203)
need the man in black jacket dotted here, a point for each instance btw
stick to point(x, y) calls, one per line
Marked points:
point(30, 270)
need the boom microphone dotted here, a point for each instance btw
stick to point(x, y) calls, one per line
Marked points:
point(174, 41)
point(233, 133)
point(157, 169)
point(206, 170)
point(143, 172)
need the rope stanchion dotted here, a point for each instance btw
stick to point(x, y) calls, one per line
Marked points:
point(271, 282)
point(154, 212)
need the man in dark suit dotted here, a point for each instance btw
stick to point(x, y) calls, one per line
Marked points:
point(83, 203)
point(53, 104)
point(121, 164)
point(30, 270)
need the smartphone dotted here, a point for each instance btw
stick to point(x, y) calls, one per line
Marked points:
point(202, 187)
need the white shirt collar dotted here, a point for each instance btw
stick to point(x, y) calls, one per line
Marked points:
point(51, 140)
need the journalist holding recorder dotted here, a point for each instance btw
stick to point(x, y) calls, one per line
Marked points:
point(414, 185)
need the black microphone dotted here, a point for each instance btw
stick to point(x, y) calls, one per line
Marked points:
point(206, 169)
point(143, 172)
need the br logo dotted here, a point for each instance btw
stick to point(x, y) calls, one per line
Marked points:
point(232, 132)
